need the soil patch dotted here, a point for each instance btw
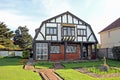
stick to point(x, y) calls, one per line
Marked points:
point(57, 65)
point(85, 71)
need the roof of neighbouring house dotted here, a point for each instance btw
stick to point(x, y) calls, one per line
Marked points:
point(113, 25)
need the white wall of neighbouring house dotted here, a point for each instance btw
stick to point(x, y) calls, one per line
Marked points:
point(11, 53)
point(110, 38)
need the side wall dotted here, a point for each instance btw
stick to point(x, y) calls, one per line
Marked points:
point(110, 38)
point(10, 53)
point(107, 52)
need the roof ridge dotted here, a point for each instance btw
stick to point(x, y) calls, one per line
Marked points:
point(113, 25)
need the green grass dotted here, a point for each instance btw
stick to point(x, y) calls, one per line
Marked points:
point(12, 69)
point(113, 78)
point(43, 64)
point(72, 65)
point(98, 71)
point(70, 74)
point(113, 63)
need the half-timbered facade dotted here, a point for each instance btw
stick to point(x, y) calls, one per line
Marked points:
point(64, 37)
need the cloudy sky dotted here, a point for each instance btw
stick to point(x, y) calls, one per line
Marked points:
point(98, 13)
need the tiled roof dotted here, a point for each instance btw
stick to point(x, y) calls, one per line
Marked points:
point(113, 25)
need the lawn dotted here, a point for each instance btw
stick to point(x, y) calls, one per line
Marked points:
point(12, 69)
point(70, 74)
point(69, 65)
point(98, 71)
point(43, 64)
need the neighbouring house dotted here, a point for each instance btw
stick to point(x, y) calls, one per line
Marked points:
point(64, 37)
point(109, 38)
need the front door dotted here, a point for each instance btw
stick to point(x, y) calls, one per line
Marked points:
point(42, 51)
point(85, 52)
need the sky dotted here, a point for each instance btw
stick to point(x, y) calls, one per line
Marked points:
point(98, 13)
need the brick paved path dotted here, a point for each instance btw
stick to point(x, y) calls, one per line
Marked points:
point(47, 74)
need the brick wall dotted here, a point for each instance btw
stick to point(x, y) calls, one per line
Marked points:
point(69, 56)
point(74, 56)
point(58, 56)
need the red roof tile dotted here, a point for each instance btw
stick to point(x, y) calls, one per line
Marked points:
point(113, 25)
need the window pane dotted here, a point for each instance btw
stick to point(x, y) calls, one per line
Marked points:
point(54, 31)
point(73, 31)
point(51, 31)
point(65, 32)
point(48, 31)
point(69, 31)
point(84, 32)
point(55, 49)
point(71, 49)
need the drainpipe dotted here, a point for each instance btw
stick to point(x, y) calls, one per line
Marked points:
point(49, 45)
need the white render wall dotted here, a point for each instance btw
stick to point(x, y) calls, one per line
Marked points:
point(10, 53)
point(110, 38)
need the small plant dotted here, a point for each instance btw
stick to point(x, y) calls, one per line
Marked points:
point(98, 71)
point(25, 54)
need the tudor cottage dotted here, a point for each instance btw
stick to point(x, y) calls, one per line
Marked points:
point(64, 37)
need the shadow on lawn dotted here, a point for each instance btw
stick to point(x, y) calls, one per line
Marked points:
point(12, 61)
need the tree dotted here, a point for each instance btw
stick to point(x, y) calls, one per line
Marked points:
point(23, 38)
point(5, 36)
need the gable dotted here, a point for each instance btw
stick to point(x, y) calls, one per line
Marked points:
point(65, 19)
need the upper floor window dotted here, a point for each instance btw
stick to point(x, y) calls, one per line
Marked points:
point(68, 31)
point(51, 30)
point(81, 32)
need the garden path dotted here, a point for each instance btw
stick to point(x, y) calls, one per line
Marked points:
point(47, 74)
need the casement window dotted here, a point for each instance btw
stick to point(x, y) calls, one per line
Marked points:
point(51, 31)
point(55, 49)
point(81, 32)
point(71, 49)
point(68, 31)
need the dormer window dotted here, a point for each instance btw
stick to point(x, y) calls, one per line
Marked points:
point(51, 31)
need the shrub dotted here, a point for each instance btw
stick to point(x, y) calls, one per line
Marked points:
point(116, 52)
point(25, 54)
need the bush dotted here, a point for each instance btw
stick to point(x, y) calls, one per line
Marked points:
point(116, 52)
point(25, 54)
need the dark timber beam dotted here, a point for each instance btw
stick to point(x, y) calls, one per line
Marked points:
point(65, 47)
point(49, 45)
point(81, 50)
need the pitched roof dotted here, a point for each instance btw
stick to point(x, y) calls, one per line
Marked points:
point(113, 25)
